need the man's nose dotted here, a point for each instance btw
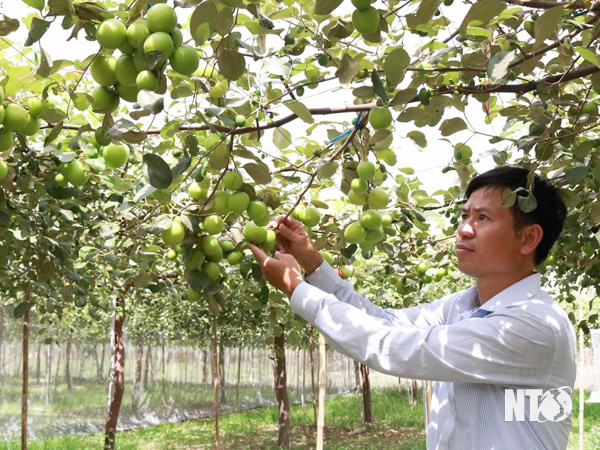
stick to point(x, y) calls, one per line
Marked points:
point(465, 230)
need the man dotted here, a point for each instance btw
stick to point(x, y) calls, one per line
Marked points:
point(482, 345)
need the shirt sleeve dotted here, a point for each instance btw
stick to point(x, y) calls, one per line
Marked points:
point(498, 349)
point(328, 281)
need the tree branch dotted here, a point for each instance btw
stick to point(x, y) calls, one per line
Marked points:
point(540, 4)
point(521, 88)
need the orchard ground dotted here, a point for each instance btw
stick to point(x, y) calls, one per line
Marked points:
point(397, 425)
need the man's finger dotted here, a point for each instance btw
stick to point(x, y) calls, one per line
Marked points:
point(293, 223)
point(276, 222)
point(289, 234)
point(259, 254)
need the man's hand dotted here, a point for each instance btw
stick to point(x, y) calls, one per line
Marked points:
point(293, 239)
point(282, 271)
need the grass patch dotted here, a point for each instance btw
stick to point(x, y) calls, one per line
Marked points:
point(397, 426)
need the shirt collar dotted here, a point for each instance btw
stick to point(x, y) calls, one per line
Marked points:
point(516, 293)
point(468, 301)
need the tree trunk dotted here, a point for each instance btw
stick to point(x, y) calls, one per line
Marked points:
point(322, 385)
point(204, 366)
point(366, 390)
point(97, 358)
point(357, 382)
point(119, 373)
point(39, 359)
point(251, 365)
point(48, 371)
point(414, 398)
point(102, 357)
point(139, 358)
point(312, 376)
point(147, 366)
point(57, 369)
point(283, 401)
point(222, 373)
point(111, 370)
point(68, 363)
point(303, 382)
point(239, 374)
point(215, 368)
point(81, 362)
point(25, 378)
point(163, 368)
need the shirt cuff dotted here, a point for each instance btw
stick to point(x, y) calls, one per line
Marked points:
point(325, 278)
point(305, 300)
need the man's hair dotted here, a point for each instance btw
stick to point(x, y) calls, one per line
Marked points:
point(550, 212)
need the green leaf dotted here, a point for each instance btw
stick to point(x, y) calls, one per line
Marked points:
point(181, 166)
point(54, 133)
point(378, 86)
point(327, 170)
point(324, 7)
point(21, 309)
point(59, 7)
point(497, 66)
point(418, 138)
point(545, 25)
point(576, 174)
point(481, 32)
point(508, 198)
point(157, 171)
point(45, 69)
point(395, 65)
point(282, 138)
point(37, 30)
point(201, 34)
point(7, 25)
point(34, 4)
point(198, 280)
point(231, 64)
point(170, 128)
point(259, 172)
point(181, 92)
point(219, 158)
point(403, 96)
point(481, 13)
point(588, 55)
point(426, 10)
point(142, 279)
point(347, 70)
point(52, 115)
point(205, 13)
point(150, 101)
point(527, 203)
point(388, 156)
point(379, 136)
point(300, 110)
point(451, 126)
point(61, 193)
point(120, 127)
point(88, 11)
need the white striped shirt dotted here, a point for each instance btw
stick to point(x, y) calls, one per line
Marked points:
point(525, 341)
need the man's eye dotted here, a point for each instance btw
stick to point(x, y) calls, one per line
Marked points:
point(482, 217)
point(464, 216)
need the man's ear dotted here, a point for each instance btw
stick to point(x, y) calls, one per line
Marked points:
point(531, 236)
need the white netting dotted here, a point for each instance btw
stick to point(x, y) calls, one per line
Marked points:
point(595, 394)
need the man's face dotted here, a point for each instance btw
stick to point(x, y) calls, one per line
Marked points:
point(486, 242)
